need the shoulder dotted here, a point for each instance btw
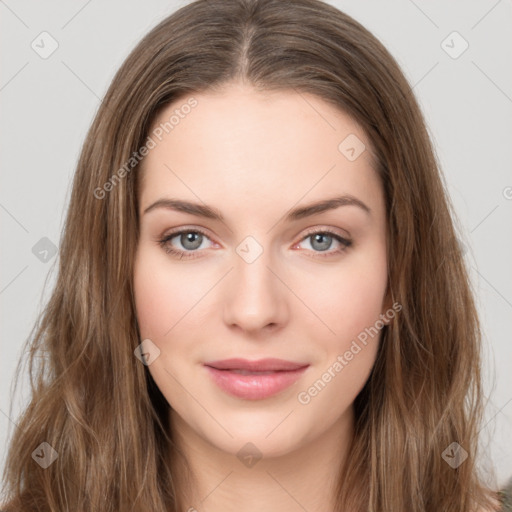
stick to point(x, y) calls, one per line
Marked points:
point(502, 501)
point(495, 507)
point(505, 496)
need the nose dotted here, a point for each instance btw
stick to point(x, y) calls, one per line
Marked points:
point(255, 299)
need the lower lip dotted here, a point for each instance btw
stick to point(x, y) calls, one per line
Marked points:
point(254, 386)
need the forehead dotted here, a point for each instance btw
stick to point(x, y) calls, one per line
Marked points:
point(241, 142)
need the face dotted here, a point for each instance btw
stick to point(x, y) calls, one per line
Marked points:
point(237, 265)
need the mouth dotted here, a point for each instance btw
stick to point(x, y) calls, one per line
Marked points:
point(254, 380)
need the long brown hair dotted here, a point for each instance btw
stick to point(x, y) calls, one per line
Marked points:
point(98, 407)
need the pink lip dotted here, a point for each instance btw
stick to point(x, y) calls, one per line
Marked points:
point(256, 385)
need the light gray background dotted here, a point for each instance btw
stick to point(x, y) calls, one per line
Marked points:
point(48, 104)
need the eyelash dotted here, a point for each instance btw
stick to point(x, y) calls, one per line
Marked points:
point(163, 242)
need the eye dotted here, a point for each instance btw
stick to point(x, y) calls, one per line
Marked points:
point(322, 241)
point(191, 240)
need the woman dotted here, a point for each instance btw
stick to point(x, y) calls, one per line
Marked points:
point(261, 301)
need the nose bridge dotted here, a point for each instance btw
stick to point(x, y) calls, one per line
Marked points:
point(254, 296)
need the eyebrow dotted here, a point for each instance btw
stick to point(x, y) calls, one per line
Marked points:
point(203, 210)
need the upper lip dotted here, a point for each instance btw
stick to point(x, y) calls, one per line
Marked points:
point(260, 365)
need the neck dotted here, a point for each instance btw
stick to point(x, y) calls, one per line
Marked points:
point(302, 479)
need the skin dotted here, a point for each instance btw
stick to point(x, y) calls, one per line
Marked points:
point(254, 156)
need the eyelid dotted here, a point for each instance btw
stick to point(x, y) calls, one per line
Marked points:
point(326, 229)
point(165, 238)
point(186, 229)
point(309, 231)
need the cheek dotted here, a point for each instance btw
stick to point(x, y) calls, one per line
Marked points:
point(351, 306)
point(164, 298)
point(349, 298)
point(163, 295)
